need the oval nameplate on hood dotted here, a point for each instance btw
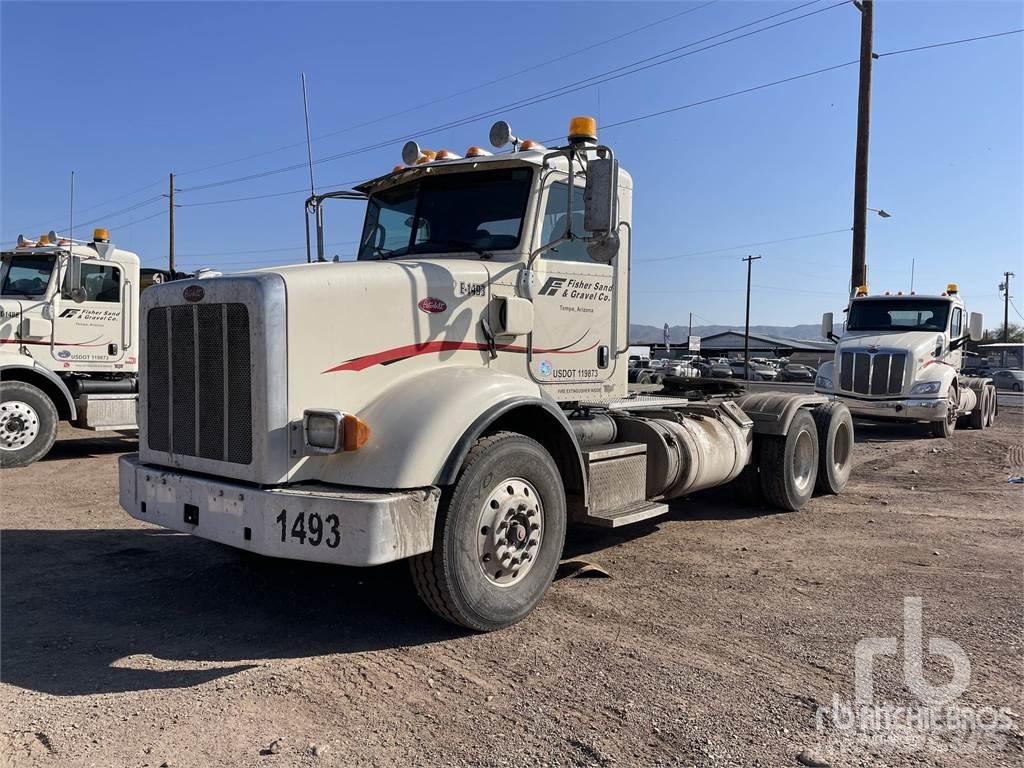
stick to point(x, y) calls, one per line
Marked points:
point(430, 304)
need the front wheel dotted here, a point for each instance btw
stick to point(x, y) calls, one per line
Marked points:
point(28, 424)
point(1017, 387)
point(789, 464)
point(498, 537)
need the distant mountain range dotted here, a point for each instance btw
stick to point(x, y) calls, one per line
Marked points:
point(650, 334)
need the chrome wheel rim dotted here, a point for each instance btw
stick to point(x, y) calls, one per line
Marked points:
point(842, 447)
point(19, 425)
point(803, 460)
point(510, 530)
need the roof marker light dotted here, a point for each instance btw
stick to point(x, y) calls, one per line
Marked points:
point(862, 290)
point(398, 168)
point(100, 235)
point(475, 151)
point(447, 154)
point(529, 144)
point(952, 288)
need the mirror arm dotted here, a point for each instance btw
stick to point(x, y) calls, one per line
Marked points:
point(833, 338)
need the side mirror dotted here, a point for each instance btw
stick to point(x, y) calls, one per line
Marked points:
point(826, 325)
point(600, 196)
point(976, 326)
point(77, 292)
point(600, 211)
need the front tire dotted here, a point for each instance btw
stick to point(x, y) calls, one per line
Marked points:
point(789, 464)
point(498, 538)
point(28, 424)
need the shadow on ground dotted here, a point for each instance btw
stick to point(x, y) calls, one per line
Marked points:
point(77, 601)
point(87, 447)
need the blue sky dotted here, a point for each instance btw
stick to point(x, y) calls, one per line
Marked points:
point(123, 93)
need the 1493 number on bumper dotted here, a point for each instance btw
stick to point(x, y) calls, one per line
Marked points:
point(311, 529)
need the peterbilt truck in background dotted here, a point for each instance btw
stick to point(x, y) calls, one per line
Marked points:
point(69, 341)
point(900, 358)
point(469, 400)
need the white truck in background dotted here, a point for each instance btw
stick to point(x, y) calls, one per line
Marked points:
point(69, 341)
point(455, 397)
point(900, 358)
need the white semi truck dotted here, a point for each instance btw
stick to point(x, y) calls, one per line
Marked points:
point(69, 341)
point(456, 396)
point(900, 358)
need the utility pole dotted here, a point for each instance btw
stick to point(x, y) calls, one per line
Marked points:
point(746, 329)
point(1006, 307)
point(859, 272)
point(170, 222)
point(689, 329)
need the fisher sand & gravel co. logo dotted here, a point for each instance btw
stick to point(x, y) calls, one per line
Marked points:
point(935, 722)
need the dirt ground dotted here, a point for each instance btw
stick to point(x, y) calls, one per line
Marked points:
point(719, 634)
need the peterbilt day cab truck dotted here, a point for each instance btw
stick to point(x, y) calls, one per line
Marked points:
point(900, 358)
point(69, 338)
point(455, 397)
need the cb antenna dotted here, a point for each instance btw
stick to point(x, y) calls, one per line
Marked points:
point(312, 185)
point(71, 215)
point(309, 143)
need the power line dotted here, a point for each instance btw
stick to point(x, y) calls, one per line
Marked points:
point(952, 42)
point(272, 194)
point(609, 75)
point(1015, 309)
point(744, 245)
point(463, 92)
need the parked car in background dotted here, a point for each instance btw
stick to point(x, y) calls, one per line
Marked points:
point(1008, 379)
point(757, 372)
point(720, 370)
point(797, 372)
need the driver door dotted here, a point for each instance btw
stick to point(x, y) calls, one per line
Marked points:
point(90, 331)
point(572, 340)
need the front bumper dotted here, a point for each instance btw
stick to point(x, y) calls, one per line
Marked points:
point(914, 409)
point(350, 526)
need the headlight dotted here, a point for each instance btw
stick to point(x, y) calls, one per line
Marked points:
point(323, 431)
point(823, 382)
point(926, 388)
point(326, 431)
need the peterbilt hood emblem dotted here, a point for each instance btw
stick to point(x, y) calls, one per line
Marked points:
point(430, 304)
point(193, 293)
point(873, 348)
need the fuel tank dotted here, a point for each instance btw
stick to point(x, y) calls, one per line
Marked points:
point(690, 450)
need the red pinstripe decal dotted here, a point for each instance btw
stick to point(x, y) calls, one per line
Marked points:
point(430, 347)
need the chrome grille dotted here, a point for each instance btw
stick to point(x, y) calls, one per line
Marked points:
point(872, 373)
point(199, 382)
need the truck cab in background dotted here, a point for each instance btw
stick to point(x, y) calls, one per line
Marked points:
point(69, 341)
point(900, 358)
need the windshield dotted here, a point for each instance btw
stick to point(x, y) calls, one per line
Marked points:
point(27, 274)
point(478, 211)
point(898, 315)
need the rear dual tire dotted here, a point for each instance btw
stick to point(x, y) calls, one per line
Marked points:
point(788, 465)
point(835, 442)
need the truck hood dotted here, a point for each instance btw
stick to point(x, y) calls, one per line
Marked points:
point(921, 344)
